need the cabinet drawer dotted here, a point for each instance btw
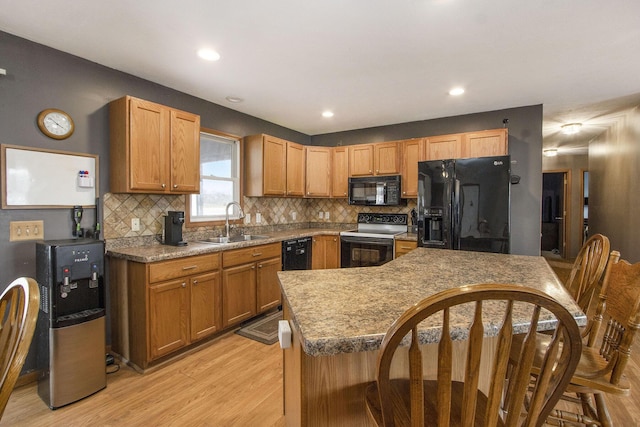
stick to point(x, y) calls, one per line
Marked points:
point(246, 255)
point(180, 267)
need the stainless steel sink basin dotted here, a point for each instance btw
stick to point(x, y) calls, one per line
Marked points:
point(220, 240)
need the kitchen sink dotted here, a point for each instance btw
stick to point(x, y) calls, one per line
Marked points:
point(220, 240)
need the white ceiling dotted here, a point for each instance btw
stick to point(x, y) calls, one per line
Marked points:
point(372, 62)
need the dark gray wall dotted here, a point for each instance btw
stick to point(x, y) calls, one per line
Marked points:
point(39, 77)
point(525, 148)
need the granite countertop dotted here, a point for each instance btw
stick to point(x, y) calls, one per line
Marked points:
point(349, 310)
point(153, 253)
point(410, 237)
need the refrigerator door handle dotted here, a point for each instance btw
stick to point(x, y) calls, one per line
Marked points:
point(455, 223)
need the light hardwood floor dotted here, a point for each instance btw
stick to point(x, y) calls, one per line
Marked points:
point(232, 382)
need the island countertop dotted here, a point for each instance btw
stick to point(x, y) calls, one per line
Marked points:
point(349, 310)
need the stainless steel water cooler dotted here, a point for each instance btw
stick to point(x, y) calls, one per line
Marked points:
point(71, 321)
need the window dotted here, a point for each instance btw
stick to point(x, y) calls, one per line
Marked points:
point(219, 179)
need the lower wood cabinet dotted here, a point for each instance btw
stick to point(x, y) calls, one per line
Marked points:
point(160, 307)
point(404, 246)
point(249, 282)
point(325, 252)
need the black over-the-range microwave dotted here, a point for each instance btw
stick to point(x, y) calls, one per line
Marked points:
point(376, 191)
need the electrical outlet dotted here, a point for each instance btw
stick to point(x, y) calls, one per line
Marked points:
point(247, 218)
point(320, 215)
point(326, 215)
point(258, 218)
point(135, 224)
point(26, 230)
point(294, 215)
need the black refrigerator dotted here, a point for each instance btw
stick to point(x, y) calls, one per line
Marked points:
point(464, 204)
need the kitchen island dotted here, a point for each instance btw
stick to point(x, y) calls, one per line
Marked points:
point(339, 318)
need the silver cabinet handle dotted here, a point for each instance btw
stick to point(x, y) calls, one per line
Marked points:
point(175, 185)
point(163, 185)
point(195, 282)
point(191, 267)
point(259, 265)
point(184, 285)
point(257, 254)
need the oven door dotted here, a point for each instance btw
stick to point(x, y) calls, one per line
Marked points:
point(364, 251)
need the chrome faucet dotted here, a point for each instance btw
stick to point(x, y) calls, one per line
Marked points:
point(226, 222)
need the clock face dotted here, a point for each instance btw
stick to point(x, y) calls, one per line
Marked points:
point(55, 123)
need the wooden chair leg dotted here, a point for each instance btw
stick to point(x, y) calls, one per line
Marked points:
point(603, 411)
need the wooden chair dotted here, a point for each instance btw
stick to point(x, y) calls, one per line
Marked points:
point(19, 304)
point(442, 400)
point(606, 353)
point(587, 270)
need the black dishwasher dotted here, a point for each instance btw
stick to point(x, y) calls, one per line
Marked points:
point(296, 254)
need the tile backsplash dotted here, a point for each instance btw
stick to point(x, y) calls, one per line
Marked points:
point(276, 212)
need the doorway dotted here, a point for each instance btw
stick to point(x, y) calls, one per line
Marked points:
point(555, 187)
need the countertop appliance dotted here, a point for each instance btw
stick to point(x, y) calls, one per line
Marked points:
point(70, 333)
point(372, 242)
point(173, 228)
point(464, 204)
point(296, 254)
point(376, 191)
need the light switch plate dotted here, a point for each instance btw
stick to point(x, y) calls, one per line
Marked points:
point(135, 224)
point(26, 230)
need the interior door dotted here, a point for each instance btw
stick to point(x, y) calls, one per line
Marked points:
point(554, 214)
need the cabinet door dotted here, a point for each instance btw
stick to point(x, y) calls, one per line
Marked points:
point(339, 172)
point(444, 147)
point(168, 317)
point(412, 153)
point(206, 317)
point(238, 293)
point(185, 152)
point(404, 246)
point(318, 172)
point(361, 160)
point(267, 284)
point(274, 166)
point(485, 143)
point(325, 252)
point(148, 146)
point(386, 158)
point(295, 169)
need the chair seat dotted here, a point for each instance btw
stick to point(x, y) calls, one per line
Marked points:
point(590, 362)
point(401, 398)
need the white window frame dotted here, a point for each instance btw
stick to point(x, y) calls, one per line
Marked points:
point(236, 171)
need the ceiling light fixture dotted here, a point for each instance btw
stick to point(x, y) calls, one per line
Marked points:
point(327, 114)
point(234, 99)
point(571, 128)
point(456, 91)
point(550, 152)
point(208, 54)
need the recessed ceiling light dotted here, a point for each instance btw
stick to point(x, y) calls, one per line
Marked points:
point(571, 128)
point(550, 152)
point(234, 99)
point(327, 114)
point(456, 91)
point(208, 54)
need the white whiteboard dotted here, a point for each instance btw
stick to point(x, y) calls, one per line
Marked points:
point(33, 178)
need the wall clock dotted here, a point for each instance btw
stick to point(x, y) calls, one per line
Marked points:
point(55, 123)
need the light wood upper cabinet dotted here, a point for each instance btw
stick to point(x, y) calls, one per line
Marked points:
point(154, 149)
point(273, 167)
point(339, 171)
point(295, 169)
point(361, 160)
point(386, 158)
point(374, 159)
point(413, 151)
point(485, 143)
point(318, 171)
point(444, 147)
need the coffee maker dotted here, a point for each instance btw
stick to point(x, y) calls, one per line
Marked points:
point(173, 228)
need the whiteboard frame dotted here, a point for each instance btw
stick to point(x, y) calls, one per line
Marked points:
point(66, 188)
